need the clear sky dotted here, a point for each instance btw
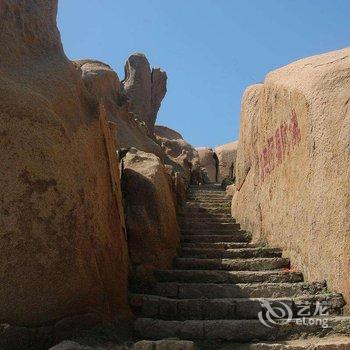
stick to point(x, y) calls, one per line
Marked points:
point(211, 49)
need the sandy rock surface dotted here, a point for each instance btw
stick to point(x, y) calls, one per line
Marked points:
point(227, 160)
point(144, 88)
point(153, 232)
point(63, 250)
point(293, 174)
point(181, 155)
point(208, 160)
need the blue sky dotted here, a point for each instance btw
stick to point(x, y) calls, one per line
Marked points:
point(211, 49)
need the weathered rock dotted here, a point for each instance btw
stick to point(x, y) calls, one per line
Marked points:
point(153, 232)
point(159, 89)
point(326, 343)
point(167, 133)
point(230, 191)
point(144, 88)
point(104, 85)
point(71, 345)
point(130, 132)
point(182, 156)
point(100, 80)
point(63, 250)
point(227, 160)
point(209, 161)
point(293, 175)
point(180, 189)
point(226, 182)
point(166, 344)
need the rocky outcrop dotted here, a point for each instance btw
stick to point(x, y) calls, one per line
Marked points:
point(144, 88)
point(63, 250)
point(104, 85)
point(167, 133)
point(100, 80)
point(226, 160)
point(182, 156)
point(208, 161)
point(153, 232)
point(293, 175)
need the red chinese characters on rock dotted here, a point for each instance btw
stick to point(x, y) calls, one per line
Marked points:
point(279, 145)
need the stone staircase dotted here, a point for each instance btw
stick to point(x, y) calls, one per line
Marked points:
point(215, 292)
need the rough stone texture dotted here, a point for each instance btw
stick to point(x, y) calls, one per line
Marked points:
point(167, 133)
point(103, 84)
point(227, 160)
point(182, 156)
point(144, 88)
point(159, 89)
point(71, 345)
point(180, 189)
point(153, 232)
point(207, 161)
point(236, 330)
point(327, 343)
point(230, 191)
point(100, 79)
point(293, 174)
point(63, 251)
point(166, 344)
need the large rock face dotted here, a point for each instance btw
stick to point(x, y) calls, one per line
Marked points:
point(144, 88)
point(182, 156)
point(63, 251)
point(227, 160)
point(209, 161)
point(153, 232)
point(293, 174)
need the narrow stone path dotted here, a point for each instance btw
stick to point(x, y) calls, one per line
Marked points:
point(219, 279)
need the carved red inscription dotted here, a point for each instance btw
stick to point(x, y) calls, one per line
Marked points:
point(279, 145)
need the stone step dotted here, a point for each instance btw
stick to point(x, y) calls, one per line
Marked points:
point(209, 231)
point(197, 216)
point(202, 212)
point(256, 264)
point(205, 188)
point(152, 306)
point(206, 219)
point(215, 238)
point(200, 191)
point(214, 201)
point(207, 205)
point(241, 290)
point(239, 330)
point(231, 253)
point(311, 343)
point(221, 245)
point(207, 211)
point(208, 195)
point(204, 197)
point(209, 226)
point(227, 277)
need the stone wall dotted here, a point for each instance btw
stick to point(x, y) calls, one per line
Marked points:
point(293, 174)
